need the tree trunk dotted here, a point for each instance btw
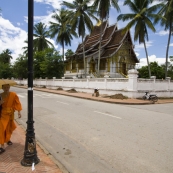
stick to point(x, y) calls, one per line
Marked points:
point(149, 71)
point(167, 50)
point(84, 57)
point(63, 56)
point(98, 71)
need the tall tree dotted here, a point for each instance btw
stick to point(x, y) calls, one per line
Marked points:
point(20, 67)
point(166, 11)
point(69, 52)
point(6, 71)
point(80, 18)
point(5, 56)
point(52, 66)
point(103, 7)
point(140, 18)
point(156, 70)
point(61, 29)
point(40, 37)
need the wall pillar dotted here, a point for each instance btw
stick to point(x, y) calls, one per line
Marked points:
point(54, 81)
point(88, 79)
point(46, 81)
point(169, 80)
point(154, 82)
point(132, 75)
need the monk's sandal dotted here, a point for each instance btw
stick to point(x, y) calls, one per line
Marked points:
point(9, 143)
point(1, 150)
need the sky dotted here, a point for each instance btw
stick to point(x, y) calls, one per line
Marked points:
point(14, 26)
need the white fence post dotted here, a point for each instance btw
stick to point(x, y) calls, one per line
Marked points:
point(40, 81)
point(106, 76)
point(132, 75)
point(88, 77)
point(54, 81)
point(168, 79)
point(46, 81)
point(154, 82)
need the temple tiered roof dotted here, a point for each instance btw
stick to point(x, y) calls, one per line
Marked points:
point(111, 41)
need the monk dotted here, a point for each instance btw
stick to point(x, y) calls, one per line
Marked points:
point(9, 104)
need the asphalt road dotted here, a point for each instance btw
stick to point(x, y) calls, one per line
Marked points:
point(95, 137)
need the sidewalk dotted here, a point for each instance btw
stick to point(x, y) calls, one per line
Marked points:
point(89, 96)
point(11, 158)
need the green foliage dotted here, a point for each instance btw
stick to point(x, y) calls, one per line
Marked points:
point(103, 7)
point(20, 70)
point(61, 29)
point(140, 18)
point(69, 52)
point(80, 16)
point(37, 60)
point(5, 71)
point(52, 65)
point(156, 70)
point(171, 58)
point(5, 56)
point(170, 71)
point(41, 34)
point(166, 19)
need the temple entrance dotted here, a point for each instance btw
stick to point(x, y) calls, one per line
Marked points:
point(124, 68)
point(93, 67)
point(73, 66)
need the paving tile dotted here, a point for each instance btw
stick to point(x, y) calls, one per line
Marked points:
point(11, 158)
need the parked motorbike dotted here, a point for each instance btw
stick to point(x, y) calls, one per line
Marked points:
point(151, 97)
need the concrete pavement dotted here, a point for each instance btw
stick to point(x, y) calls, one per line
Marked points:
point(11, 158)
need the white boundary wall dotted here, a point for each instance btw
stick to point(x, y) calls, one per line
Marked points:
point(132, 87)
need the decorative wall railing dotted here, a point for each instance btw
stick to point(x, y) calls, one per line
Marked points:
point(132, 86)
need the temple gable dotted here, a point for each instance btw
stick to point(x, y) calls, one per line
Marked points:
point(117, 54)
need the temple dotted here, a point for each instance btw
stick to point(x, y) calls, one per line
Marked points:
point(117, 54)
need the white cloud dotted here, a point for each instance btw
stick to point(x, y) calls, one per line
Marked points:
point(11, 38)
point(163, 33)
point(152, 58)
point(55, 3)
point(43, 19)
point(171, 44)
point(138, 47)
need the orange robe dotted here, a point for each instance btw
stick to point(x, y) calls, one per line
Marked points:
point(7, 125)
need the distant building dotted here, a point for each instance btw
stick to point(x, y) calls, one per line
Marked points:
point(117, 54)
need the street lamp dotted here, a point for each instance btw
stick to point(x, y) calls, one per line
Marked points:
point(30, 153)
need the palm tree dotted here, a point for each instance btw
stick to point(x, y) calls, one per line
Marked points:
point(80, 16)
point(61, 29)
point(25, 48)
point(5, 56)
point(40, 37)
point(140, 18)
point(166, 11)
point(103, 7)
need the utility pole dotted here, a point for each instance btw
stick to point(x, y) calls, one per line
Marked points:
point(30, 153)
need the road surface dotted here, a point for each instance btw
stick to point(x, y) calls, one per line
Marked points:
point(95, 137)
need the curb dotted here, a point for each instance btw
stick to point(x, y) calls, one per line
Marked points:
point(97, 98)
point(87, 98)
point(56, 162)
